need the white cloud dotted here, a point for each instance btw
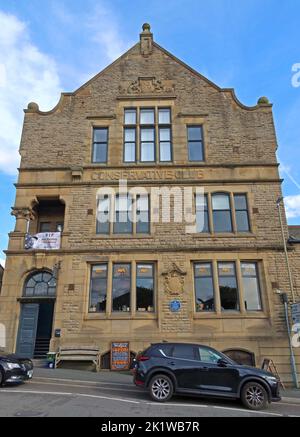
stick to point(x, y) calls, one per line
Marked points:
point(292, 206)
point(2, 262)
point(26, 74)
point(106, 32)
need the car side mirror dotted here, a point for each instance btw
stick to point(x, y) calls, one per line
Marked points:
point(222, 363)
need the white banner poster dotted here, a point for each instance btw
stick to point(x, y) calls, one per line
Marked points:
point(43, 241)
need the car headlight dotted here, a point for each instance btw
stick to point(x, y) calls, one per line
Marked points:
point(12, 366)
point(271, 378)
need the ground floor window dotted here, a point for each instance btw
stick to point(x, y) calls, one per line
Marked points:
point(223, 277)
point(204, 287)
point(145, 287)
point(121, 287)
point(228, 286)
point(127, 292)
point(251, 287)
point(219, 286)
point(98, 288)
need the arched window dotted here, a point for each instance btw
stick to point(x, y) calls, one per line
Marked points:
point(221, 212)
point(40, 284)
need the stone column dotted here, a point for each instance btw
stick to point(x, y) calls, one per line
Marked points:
point(23, 216)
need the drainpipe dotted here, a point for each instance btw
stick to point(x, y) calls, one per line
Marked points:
point(278, 203)
point(285, 300)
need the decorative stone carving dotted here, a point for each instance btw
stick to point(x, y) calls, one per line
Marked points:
point(23, 213)
point(76, 173)
point(174, 281)
point(134, 88)
point(147, 85)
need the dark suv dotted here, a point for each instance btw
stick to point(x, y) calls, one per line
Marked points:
point(14, 368)
point(192, 369)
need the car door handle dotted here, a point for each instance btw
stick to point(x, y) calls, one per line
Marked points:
point(171, 363)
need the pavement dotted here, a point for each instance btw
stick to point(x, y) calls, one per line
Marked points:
point(70, 393)
point(290, 395)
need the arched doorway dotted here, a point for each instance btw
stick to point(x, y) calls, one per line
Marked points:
point(241, 356)
point(36, 317)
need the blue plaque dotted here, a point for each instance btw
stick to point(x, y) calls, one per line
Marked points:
point(175, 306)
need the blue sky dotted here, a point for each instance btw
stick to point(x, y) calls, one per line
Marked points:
point(51, 46)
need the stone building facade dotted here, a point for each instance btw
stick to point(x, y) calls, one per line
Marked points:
point(151, 120)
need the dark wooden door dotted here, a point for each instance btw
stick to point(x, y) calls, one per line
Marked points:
point(27, 329)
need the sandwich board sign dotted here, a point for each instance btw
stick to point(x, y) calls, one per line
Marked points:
point(119, 355)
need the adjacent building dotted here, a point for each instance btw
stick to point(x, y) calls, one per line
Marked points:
point(75, 277)
point(1, 276)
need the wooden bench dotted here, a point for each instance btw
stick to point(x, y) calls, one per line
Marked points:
point(82, 353)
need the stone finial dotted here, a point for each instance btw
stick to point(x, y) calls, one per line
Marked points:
point(146, 27)
point(146, 40)
point(33, 107)
point(263, 101)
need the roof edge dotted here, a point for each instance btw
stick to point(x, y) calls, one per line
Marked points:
point(34, 108)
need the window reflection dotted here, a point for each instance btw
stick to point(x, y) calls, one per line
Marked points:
point(251, 286)
point(228, 286)
point(145, 287)
point(98, 289)
point(221, 213)
point(204, 287)
point(121, 287)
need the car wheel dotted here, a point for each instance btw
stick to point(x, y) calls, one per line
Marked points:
point(254, 396)
point(161, 388)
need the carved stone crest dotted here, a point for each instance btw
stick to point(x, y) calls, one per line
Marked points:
point(147, 85)
point(174, 281)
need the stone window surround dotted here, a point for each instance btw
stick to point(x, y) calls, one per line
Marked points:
point(111, 212)
point(202, 141)
point(242, 314)
point(179, 122)
point(106, 143)
point(138, 140)
point(235, 231)
point(133, 313)
point(238, 271)
point(208, 192)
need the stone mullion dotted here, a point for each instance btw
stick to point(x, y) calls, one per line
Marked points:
point(240, 286)
point(133, 289)
point(112, 202)
point(210, 213)
point(216, 287)
point(109, 289)
point(232, 211)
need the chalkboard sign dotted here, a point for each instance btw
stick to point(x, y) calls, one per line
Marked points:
point(119, 356)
